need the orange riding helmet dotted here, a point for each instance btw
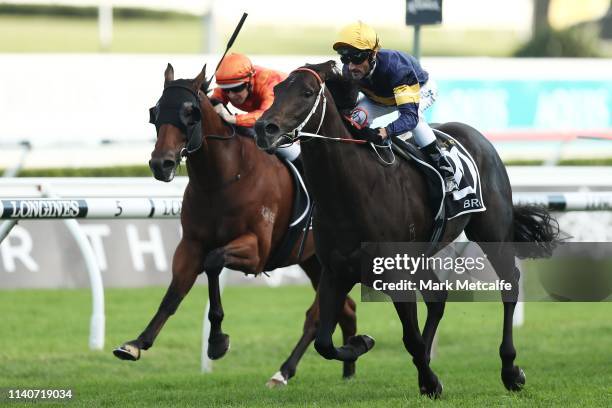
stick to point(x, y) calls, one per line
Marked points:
point(234, 70)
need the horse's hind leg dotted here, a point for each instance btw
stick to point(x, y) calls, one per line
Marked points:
point(415, 344)
point(186, 265)
point(312, 267)
point(435, 311)
point(501, 255)
point(512, 376)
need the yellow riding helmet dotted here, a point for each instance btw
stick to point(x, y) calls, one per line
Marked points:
point(358, 35)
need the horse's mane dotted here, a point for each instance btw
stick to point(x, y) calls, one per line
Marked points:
point(343, 89)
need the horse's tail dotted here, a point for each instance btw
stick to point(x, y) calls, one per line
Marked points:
point(534, 224)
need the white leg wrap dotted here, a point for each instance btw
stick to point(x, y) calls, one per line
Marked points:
point(423, 135)
point(290, 152)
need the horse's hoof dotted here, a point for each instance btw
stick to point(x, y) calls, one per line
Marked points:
point(277, 381)
point(434, 392)
point(348, 370)
point(218, 346)
point(513, 378)
point(362, 343)
point(127, 352)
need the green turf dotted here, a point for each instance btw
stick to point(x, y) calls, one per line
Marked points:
point(565, 350)
point(62, 34)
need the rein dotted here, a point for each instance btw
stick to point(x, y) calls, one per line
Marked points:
point(297, 132)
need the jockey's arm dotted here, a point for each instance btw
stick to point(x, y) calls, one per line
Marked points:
point(249, 119)
point(219, 95)
point(407, 93)
point(408, 119)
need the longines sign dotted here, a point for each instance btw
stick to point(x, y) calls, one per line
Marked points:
point(130, 253)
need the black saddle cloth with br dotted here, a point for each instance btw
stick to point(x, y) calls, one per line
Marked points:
point(467, 197)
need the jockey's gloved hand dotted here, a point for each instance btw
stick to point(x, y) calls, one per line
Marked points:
point(224, 113)
point(368, 134)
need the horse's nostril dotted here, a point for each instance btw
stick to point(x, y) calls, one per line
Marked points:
point(272, 129)
point(168, 164)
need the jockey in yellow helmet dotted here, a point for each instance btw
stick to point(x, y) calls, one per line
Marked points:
point(396, 90)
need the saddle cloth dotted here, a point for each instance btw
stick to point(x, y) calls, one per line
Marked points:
point(298, 222)
point(467, 198)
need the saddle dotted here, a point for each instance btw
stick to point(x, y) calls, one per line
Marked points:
point(467, 198)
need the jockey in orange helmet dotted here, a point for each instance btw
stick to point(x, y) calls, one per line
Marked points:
point(249, 88)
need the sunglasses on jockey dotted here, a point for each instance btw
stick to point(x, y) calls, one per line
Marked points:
point(237, 89)
point(355, 57)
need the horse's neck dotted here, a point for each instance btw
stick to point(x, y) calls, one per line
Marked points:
point(334, 170)
point(218, 161)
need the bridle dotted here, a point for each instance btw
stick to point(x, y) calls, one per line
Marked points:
point(192, 131)
point(297, 133)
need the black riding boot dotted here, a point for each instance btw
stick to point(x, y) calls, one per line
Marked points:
point(442, 164)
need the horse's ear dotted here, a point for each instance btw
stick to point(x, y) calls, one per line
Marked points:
point(332, 72)
point(326, 70)
point(200, 80)
point(168, 75)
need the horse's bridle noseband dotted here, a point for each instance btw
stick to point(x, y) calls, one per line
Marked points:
point(193, 131)
point(296, 133)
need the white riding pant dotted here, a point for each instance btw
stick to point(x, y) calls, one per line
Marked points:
point(290, 152)
point(381, 115)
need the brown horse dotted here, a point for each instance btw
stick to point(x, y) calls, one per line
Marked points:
point(236, 210)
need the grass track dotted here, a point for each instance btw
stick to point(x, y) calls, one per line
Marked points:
point(565, 349)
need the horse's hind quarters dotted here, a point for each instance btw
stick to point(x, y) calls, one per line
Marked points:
point(127, 352)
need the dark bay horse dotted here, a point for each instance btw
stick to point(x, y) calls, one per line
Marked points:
point(236, 209)
point(360, 200)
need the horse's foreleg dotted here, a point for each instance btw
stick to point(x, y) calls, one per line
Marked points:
point(186, 266)
point(348, 324)
point(218, 342)
point(241, 254)
point(413, 342)
point(332, 295)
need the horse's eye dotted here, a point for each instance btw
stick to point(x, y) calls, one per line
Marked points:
point(308, 94)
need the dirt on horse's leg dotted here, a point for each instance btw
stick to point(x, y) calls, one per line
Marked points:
point(186, 265)
point(413, 342)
